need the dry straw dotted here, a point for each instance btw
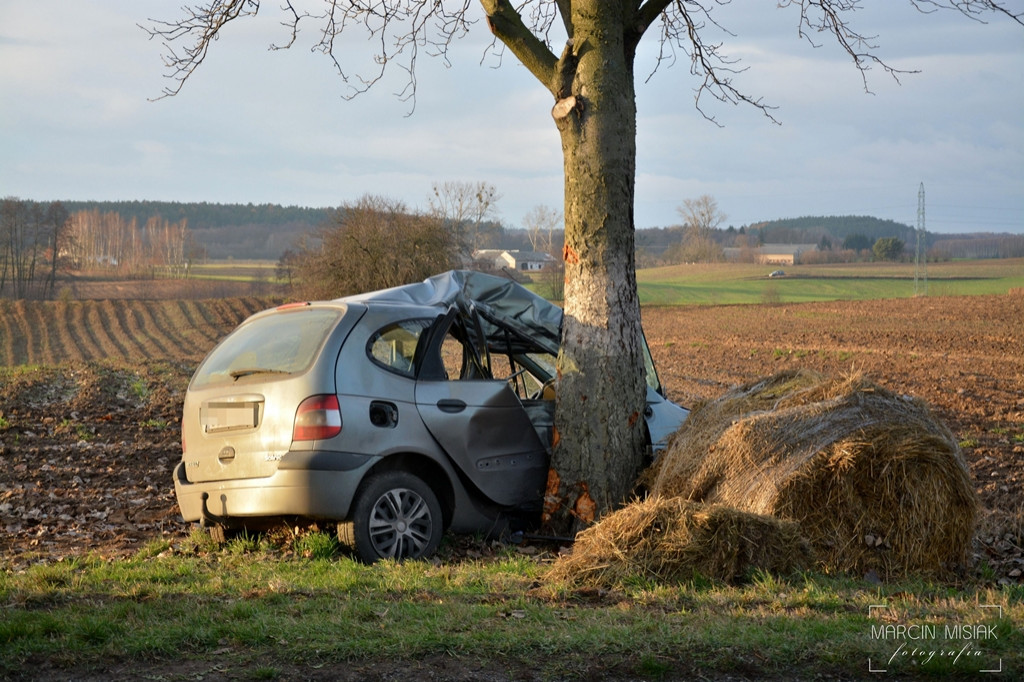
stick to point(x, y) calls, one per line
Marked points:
point(674, 541)
point(874, 479)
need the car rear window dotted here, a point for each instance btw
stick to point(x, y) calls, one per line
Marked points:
point(283, 343)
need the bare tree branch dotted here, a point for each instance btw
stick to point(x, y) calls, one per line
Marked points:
point(400, 29)
point(506, 23)
point(684, 26)
point(648, 12)
point(973, 9)
point(205, 24)
point(827, 16)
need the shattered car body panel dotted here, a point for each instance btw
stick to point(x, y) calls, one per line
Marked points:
point(517, 321)
point(401, 412)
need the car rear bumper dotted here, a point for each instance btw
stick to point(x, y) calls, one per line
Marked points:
point(313, 492)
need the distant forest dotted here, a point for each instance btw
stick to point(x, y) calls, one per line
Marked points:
point(266, 231)
point(222, 231)
point(810, 229)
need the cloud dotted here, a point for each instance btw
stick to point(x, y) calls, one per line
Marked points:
point(274, 126)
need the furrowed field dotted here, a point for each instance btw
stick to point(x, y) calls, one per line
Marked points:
point(99, 577)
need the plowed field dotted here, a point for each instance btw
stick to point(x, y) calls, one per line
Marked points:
point(130, 330)
point(89, 433)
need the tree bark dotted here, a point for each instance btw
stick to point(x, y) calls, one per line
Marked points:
point(601, 390)
point(599, 441)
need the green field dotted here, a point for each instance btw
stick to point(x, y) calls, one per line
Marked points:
point(739, 283)
point(731, 283)
point(236, 270)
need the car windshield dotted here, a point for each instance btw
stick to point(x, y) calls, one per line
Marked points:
point(281, 343)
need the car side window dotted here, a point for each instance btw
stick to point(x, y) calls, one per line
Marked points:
point(394, 346)
point(460, 364)
point(452, 357)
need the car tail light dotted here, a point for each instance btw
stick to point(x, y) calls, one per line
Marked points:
point(317, 418)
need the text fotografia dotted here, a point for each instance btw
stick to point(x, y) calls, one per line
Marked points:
point(941, 647)
point(932, 632)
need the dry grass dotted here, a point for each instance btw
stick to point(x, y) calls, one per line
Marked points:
point(875, 481)
point(671, 540)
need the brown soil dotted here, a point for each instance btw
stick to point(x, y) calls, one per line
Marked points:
point(88, 441)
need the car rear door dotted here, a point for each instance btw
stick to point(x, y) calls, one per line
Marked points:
point(478, 420)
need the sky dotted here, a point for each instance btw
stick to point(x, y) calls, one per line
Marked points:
point(80, 119)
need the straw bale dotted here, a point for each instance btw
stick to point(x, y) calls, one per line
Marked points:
point(674, 541)
point(875, 480)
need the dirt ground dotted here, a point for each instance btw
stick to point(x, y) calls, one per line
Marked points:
point(87, 448)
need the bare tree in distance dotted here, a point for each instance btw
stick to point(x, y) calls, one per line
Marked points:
point(57, 221)
point(701, 218)
point(540, 223)
point(465, 206)
point(589, 74)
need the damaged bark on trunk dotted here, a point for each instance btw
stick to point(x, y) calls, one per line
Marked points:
point(599, 443)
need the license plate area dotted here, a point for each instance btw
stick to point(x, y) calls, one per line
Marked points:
point(221, 416)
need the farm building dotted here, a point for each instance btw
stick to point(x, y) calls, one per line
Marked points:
point(513, 259)
point(770, 254)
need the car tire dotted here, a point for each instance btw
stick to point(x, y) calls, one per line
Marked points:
point(395, 516)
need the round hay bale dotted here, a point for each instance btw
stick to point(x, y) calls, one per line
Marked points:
point(874, 479)
point(674, 541)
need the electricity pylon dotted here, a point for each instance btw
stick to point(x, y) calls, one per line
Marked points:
point(921, 257)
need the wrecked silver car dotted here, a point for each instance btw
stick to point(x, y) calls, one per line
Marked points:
point(398, 413)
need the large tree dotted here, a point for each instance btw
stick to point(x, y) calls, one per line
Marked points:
point(600, 441)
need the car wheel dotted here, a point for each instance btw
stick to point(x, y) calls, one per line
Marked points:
point(395, 516)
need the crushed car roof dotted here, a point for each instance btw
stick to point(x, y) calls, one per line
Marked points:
point(502, 305)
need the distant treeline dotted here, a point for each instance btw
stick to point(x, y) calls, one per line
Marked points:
point(810, 229)
point(825, 231)
point(831, 233)
point(259, 231)
point(267, 231)
point(938, 245)
point(220, 231)
point(203, 214)
point(41, 242)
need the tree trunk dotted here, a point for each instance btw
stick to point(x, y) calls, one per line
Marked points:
point(599, 442)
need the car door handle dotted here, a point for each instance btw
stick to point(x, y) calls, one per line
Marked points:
point(451, 405)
